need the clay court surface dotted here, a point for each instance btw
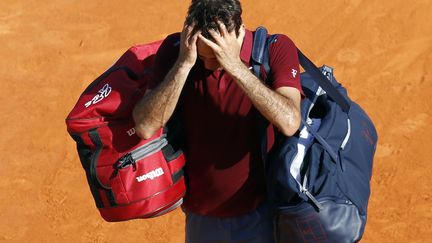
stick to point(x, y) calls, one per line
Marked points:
point(51, 50)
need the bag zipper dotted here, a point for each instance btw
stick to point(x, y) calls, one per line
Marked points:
point(149, 148)
point(303, 189)
point(139, 153)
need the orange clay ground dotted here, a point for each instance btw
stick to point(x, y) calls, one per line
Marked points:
point(50, 50)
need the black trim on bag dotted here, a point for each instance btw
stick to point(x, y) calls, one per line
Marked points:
point(86, 156)
point(177, 176)
point(169, 153)
point(95, 138)
point(84, 151)
point(111, 197)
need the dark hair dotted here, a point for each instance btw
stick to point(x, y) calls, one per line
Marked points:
point(205, 13)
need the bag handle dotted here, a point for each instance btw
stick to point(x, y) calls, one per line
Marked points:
point(322, 81)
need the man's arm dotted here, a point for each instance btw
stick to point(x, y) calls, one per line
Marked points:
point(280, 107)
point(156, 107)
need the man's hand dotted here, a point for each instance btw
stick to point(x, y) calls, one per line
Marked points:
point(188, 48)
point(226, 46)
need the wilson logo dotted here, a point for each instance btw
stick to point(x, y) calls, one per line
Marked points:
point(151, 175)
point(102, 93)
point(131, 132)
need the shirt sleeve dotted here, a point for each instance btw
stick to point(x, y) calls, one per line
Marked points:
point(165, 58)
point(284, 63)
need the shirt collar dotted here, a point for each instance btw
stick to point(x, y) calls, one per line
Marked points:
point(246, 50)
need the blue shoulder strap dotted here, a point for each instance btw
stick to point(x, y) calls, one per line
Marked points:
point(259, 58)
point(259, 48)
point(322, 81)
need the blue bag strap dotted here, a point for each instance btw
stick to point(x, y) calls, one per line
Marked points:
point(259, 41)
point(322, 141)
point(259, 58)
point(259, 54)
point(322, 81)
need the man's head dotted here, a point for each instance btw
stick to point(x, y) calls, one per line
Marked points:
point(204, 16)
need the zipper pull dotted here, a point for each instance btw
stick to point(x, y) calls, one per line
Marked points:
point(313, 199)
point(304, 189)
point(124, 161)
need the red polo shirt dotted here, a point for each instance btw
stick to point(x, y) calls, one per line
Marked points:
point(224, 169)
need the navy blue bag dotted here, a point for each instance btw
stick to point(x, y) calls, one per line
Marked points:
point(319, 179)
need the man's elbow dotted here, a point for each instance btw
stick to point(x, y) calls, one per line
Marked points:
point(142, 130)
point(290, 128)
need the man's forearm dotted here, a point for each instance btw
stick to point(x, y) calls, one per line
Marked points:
point(157, 106)
point(281, 111)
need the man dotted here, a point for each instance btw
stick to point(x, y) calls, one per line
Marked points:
point(204, 74)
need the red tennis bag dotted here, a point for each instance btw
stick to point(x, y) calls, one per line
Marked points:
point(129, 177)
